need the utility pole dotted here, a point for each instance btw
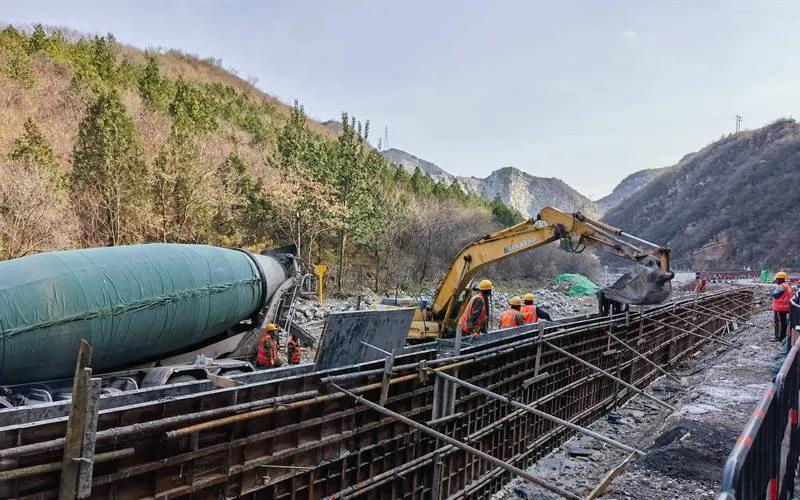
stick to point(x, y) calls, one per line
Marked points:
point(738, 123)
point(386, 137)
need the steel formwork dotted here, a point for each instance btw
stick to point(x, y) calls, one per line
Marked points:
point(297, 437)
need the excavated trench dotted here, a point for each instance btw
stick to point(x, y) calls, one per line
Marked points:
point(685, 449)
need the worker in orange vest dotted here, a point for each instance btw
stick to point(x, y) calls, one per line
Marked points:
point(474, 320)
point(293, 350)
point(268, 348)
point(532, 312)
point(512, 317)
point(781, 298)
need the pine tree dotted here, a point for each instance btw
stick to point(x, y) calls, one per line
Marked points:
point(152, 87)
point(191, 110)
point(108, 171)
point(504, 214)
point(32, 148)
point(352, 175)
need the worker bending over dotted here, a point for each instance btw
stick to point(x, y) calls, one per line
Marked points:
point(293, 350)
point(268, 348)
point(512, 317)
point(781, 298)
point(474, 320)
point(531, 312)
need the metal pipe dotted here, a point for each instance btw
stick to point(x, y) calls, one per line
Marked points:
point(643, 357)
point(609, 375)
point(713, 339)
point(34, 470)
point(115, 433)
point(539, 413)
point(458, 444)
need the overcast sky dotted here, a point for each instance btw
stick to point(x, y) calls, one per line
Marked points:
point(588, 91)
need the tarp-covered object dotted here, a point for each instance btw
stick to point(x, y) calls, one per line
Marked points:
point(131, 303)
point(579, 285)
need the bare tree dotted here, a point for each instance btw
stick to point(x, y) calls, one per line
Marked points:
point(35, 214)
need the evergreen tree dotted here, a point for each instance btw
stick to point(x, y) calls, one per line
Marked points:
point(32, 148)
point(353, 172)
point(38, 40)
point(191, 110)
point(108, 171)
point(504, 214)
point(152, 87)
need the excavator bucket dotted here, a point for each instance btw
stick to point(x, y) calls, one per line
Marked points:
point(645, 285)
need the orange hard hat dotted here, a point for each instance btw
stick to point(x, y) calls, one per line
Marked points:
point(515, 301)
point(780, 275)
point(272, 327)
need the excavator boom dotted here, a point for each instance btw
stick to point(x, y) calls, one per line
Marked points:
point(575, 231)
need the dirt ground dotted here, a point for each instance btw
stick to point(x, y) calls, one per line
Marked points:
point(686, 449)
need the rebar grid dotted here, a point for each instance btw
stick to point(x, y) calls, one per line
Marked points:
point(347, 450)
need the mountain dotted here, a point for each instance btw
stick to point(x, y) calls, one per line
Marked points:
point(527, 193)
point(411, 162)
point(628, 186)
point(731, 204)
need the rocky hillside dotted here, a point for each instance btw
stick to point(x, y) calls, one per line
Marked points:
point(527, 193)
point(628, 186)
point(517, 189)
point(730, 204)
point(411, 162)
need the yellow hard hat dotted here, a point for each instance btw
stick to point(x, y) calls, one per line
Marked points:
point(272, 327)
point(528, 297)
point(781, 275)
point(515, 301)
point(485, 285)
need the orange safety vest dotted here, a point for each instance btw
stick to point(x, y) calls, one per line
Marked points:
point(510, 318)
point(464, 321)
point(267, 355)
point(293, 350)
point(781, 304)
point(530, 314)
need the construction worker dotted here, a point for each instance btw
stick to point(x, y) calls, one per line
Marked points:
point(474, 320)
point(532, 312)
point(268, 348)
point(512, 317)
point(293, 350)
point(781, 299)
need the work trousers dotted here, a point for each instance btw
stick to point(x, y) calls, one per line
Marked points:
point(781, 324)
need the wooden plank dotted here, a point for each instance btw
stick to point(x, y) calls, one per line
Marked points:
point(76, 425)
point(87, 459)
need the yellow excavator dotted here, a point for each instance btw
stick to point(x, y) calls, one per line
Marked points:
point(650, 284)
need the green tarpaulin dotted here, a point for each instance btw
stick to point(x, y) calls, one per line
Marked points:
point(131, 303)
point(579, 285)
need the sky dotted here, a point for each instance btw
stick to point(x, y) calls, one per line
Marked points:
point(588, 91)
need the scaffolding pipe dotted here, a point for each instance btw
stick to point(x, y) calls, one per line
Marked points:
point(609, 375)
point(643, 357)
point(539, 413)
point(458, 444)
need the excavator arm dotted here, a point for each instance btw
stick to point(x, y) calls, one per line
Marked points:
point(575, 232)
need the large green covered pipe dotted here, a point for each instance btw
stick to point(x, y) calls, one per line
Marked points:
point(131, 303)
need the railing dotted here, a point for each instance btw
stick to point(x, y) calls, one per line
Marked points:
point(763, 462)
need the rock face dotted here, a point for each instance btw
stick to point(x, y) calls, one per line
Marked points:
point(628, 186)
point(732, 204)
point(527, 193)
point(411, 162)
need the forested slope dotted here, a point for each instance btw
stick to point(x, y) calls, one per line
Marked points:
point(103, 144)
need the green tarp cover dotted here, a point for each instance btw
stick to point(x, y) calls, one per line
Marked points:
point(579, 285)
point(131, 303)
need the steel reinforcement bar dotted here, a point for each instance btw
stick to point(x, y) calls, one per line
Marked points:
point(301, 436)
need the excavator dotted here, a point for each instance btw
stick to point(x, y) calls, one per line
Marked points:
point(649, 284)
